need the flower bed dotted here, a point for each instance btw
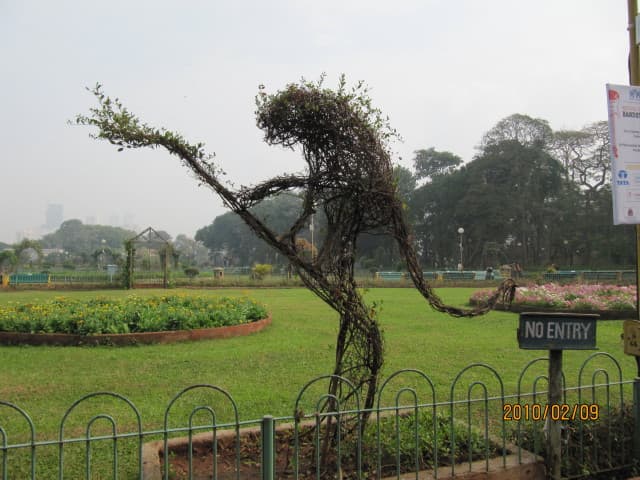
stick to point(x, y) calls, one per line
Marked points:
point(475, 456)
point(132, 314)
point(609, 299)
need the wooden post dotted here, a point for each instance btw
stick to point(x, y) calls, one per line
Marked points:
point(554, 431)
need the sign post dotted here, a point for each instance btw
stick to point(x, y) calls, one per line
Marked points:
point(556, 332)
point(631, 337)
point(631, 157)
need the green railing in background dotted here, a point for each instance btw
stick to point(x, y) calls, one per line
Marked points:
point(240, 276)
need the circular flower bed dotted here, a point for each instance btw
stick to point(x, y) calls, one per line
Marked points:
point(131, 316)
point(609, 300)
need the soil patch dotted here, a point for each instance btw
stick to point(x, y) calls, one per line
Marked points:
point(202, 462)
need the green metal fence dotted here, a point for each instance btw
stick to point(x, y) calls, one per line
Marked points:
point(473, 426)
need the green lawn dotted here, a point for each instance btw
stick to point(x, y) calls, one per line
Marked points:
point(265, 371)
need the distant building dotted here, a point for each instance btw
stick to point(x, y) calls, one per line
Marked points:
point(54, 216)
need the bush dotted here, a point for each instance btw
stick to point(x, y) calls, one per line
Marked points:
point(191, 272)
point(398, 436)
point(592, 448)
point(261, 270)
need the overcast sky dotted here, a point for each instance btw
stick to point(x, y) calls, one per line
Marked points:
point(444, 71)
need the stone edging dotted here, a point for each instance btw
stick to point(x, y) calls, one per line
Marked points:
point(121, 339)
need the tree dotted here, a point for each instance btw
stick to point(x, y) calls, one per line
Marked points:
point(27, 251)
point(593, 167)
point(585, 154)
point(567, 146)
point(530, 195)
point(227, 233)
point(378, 248)
point(230, 234)
point(103, 256)
point(76, 238)
point(520, 128)
point(191, 252)
point(516, 196)
point(8, 261)
point(507, 196)
point(349, 177)
point(434, 210)
point(431, 163)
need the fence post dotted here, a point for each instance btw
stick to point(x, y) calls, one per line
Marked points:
point(554, 450)
point(267, 440)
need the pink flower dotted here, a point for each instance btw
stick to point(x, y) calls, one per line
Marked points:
point(597, 297)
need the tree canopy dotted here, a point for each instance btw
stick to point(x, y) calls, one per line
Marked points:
point(76, 237)
point(530, 195)
point(524, 201)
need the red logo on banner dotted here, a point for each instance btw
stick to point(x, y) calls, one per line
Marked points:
point(613, 95)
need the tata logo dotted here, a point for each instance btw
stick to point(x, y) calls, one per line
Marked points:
point(622, 178)
point(634, 94)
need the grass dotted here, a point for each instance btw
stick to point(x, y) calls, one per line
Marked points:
point(264, 372)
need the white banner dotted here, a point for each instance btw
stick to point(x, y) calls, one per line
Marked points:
point(624, 140)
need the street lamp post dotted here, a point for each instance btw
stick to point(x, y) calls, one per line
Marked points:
point(460, 232)
point(311, 229)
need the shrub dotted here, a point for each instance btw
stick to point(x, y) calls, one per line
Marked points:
point(191, 272)
point(261, 270)
point(399, 434)
point(128, 315)
point(592, 447)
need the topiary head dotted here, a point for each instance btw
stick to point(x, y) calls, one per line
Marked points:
point(340, 133)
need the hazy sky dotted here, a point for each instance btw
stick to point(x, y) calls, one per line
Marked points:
point(444, 71)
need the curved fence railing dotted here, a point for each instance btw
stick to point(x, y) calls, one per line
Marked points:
point(474, 425)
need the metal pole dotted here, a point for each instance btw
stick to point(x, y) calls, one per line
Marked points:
point(634, 79)
point(267, 434)
point(461, 264)
point(554, 449)
point(313, 247)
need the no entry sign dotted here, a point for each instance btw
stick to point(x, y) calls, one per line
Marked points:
point(557, 331)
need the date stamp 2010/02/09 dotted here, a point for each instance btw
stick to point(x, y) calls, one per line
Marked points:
point(562, 412)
